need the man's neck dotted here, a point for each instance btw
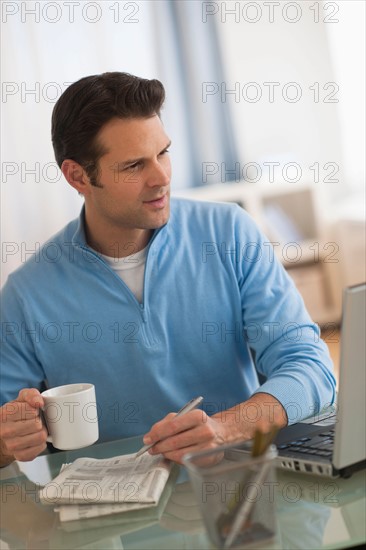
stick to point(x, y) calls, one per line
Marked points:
point(114, 241)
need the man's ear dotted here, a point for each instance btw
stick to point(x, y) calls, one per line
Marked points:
point(75, 176)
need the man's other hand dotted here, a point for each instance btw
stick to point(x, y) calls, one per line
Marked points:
point(22, 433)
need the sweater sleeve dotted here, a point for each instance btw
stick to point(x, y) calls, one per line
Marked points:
point(284, 341)
point(20, 367)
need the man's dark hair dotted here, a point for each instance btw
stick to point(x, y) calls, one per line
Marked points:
point(88, 104)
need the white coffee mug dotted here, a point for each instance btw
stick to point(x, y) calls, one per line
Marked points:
point(70, 413)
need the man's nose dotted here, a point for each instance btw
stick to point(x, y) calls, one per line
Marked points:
point(159, 174)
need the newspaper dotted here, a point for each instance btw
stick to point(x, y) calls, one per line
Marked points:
point(93, 487)
point(72, 512)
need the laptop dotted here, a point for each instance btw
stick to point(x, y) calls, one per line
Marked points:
point(336, 447)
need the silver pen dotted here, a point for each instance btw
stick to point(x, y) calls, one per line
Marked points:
point(188, 407)
point(246, 506)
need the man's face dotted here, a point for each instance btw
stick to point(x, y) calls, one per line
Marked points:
point(134, 175)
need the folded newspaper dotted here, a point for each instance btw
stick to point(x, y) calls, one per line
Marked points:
point(98, 487)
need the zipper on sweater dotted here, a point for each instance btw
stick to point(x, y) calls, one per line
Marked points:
point(106, 266)
point(141, 306)
point(143, 313)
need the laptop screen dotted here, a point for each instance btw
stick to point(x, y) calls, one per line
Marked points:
point(350, 443)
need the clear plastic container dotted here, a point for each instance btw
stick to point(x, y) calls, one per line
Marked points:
point(235, 493)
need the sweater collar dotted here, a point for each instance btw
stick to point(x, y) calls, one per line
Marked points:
point(79, 236)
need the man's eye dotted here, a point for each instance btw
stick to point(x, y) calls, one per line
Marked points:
point(132, 167)
point(165, 151)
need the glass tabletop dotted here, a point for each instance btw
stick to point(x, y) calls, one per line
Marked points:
point(311, 512)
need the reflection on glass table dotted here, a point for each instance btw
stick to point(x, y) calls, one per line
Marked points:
point(310, 512)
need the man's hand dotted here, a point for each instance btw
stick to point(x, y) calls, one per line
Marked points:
point(195, 431)
point(22, 434)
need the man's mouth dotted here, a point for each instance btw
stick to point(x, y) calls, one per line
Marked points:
point(159, 202)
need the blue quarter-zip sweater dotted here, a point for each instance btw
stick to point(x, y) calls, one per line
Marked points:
point(218, 309)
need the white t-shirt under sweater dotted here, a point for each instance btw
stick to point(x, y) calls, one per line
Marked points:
point(131, 269)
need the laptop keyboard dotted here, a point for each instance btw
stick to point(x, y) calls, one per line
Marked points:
point(319, 445)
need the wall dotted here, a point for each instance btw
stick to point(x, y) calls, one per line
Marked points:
point(299, 123)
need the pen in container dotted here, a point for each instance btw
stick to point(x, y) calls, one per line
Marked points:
point(188, 407)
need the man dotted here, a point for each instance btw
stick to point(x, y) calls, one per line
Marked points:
point(154, 301)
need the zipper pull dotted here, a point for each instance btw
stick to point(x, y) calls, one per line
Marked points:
point(143, 315)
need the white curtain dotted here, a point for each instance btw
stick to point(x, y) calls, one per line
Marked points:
point(190, 64)
point(48, 45)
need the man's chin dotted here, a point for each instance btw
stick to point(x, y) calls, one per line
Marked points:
point(163, 221)
point(156, 221)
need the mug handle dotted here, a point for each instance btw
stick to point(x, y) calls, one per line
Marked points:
point(44, 421)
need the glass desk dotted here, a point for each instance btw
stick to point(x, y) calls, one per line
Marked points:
point(311, 512)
